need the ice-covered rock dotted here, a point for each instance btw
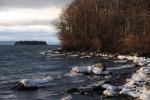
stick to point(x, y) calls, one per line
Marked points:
point(109, 87)
point(125, 90)
point(110, 90)
point(109, 93)
point(121, 57)
point(145, 96)
point(97, 70)
point(94, 69)
point(34, 82)
point(142, 61)
point(138, 84)
point(73, 55)
point(134, 94)
point(85, 57)
point(30, 84)
point(83, 69)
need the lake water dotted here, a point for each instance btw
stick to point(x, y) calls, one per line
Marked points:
point(27, 62)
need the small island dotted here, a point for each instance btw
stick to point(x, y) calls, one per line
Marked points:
point(30, 43)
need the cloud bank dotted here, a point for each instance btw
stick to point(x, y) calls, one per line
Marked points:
point(32, 3)
point(30, 19)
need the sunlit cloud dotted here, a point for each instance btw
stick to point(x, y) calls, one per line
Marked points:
point(29, 16)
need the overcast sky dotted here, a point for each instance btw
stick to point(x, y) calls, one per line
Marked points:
point(30, 19)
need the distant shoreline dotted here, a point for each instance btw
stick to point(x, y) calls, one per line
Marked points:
point(30, 43)
point(12, 43)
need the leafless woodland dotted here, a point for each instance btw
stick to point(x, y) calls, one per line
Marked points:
point(121, 26)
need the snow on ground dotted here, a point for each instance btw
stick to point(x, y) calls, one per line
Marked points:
point(138, 86)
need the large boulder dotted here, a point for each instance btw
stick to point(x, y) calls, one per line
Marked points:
point(93, 69)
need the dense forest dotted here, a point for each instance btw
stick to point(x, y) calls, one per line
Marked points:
point(121, 26)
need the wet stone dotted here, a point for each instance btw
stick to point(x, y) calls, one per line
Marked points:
point(73, 90)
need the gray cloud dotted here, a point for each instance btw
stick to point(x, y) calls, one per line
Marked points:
point(32, 3)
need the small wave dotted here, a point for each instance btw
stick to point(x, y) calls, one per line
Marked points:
point(72, 75)
point(120, 61)
point(68, 97)
point(120, 67)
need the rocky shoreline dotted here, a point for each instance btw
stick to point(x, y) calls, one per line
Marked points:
point(135, 86)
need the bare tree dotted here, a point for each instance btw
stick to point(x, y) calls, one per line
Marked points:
point(106, 25)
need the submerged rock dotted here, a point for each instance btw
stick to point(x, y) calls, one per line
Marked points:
point(73, 90)
point(22, 87)
point(87, 93)
point(98, 89)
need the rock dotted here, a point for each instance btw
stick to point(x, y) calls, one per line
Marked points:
point(97, 70)
point(94, 69)
point(109, 87)
point(100, 65)
point(87, 93)
point(137, 86)
point(22, 87)
point(145, 96)
point(109, 93)
point(73, 90)
point(134, 94)
point(121, 57)
point(98, 89)
point(110, 90)
point(82, 69)
point(30, 84)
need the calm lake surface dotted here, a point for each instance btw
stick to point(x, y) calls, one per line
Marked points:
point(26, 62)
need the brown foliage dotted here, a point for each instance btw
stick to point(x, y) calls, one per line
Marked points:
point(106, 25)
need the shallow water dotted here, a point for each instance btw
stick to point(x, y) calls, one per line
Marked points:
point(26, 62)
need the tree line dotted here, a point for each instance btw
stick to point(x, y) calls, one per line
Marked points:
point(121, 26)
